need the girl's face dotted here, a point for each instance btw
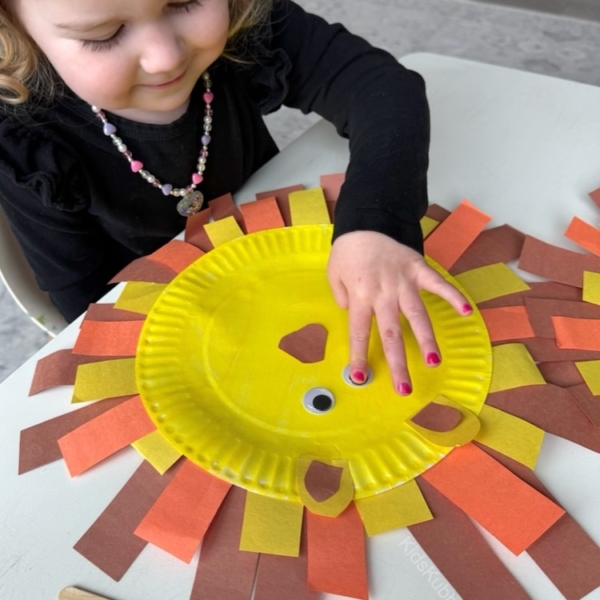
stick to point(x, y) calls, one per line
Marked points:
point(139, 59)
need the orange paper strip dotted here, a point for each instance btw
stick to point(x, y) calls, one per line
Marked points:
point(104, 338)
point(262, 214)
point(332, 184)
point(180, 517)
point(176, 255)
point(507, 323)
point(546, 350)
point(108, 312)
point(595, 196)
point(336, 554)
point(112, 431)
point(453, 236)
point(509, 509)
point(580, 334)
point(542, 310)
point(584, 234)
point(282, 197)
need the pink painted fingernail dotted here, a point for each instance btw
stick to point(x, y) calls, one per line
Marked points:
point(433, 359)
point(467, 308)
point(404, 389)
point(358, 377)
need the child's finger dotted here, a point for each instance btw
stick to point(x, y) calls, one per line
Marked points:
point(436, 284)
point(414, 310)
point(388, 323)
point(359, 318)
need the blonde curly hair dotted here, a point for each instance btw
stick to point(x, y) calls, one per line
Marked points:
point(25, 71)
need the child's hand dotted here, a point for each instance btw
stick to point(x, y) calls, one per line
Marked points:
point(372, 274)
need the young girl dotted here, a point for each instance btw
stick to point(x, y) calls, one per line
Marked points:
point(115, 114)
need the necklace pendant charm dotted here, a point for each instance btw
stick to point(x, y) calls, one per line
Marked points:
point(190, 204)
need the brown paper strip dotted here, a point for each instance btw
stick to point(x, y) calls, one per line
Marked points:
point(108, 312)
point(539, 289)
point(500, 244)
point(144, 269)
point(546, 350)
point(541, 311)
point(455, 547)
point(223, 207)
point(437, 417)
point(587, 402)
point(224, 571)
point(58, 368)
point(110, 543)
point(195, 233)
point(284, 578)
point(552, 409)
point(322, 481)
point(562, 373)
point(39, 444)
point(437, 213)
point(558, 264)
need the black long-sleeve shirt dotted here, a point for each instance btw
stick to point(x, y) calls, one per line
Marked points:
point(81, 215)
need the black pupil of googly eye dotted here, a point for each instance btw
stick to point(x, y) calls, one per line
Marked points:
point(322, 402)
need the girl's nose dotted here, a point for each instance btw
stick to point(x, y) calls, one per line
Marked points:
point(162, 50)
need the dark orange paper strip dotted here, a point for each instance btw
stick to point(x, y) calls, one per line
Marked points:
point(456, 548)
point(108, 312)
point(584, 234)
point(566, 554)
point(284, 577)
point(558, 264)
point(507, 323)
point(108, 433)
point(104, 338)
point(176, 255)
point(512, 511)
point(450, 239)
point(195, 233)
point(282, 197)
point(562, 373)
point(224, 571)
point(542, 310)
point(180, 517)
point(110, 543)
point(144, 269)
point(262, 214)
point(552, 409)
point(223, 207)
point(499, 244)
point(39, 444)
point(336, 554)
point(58, 368)
point(579, 334)
point(595, 196)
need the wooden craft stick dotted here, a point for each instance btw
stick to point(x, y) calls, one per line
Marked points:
point(73, 593)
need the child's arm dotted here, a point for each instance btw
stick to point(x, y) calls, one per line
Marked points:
point(376, 266)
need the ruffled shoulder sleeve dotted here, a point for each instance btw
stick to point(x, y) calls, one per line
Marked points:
point(34, 158)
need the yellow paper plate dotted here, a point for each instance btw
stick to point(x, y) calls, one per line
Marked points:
point(218, 387)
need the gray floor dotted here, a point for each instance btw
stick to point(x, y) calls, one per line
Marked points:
point(539, 42)
point(582, 9)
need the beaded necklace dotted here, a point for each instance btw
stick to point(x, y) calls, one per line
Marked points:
point(191, 199)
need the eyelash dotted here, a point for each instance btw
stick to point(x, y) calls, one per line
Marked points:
point(113, 40)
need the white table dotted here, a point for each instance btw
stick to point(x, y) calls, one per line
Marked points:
point(523, 148)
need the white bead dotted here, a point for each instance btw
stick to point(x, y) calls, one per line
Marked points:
point(122, 148)
point(202, 160)
point(96, 109)
point(208, 120)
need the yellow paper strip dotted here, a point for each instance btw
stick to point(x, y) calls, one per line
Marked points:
point(591, 287)
point(510, 435)
point(491, 281)
point(590, 371)
point(222, 231)
point(271, 525)
point(513, 367)
point(400, 507)
point(139, 296)
point(157, 451)
point(105, 379)
point(308, 207)
point(428, 225)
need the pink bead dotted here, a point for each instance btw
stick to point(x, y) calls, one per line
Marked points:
point(136, 166)
point(208, 97)
point(197, 178)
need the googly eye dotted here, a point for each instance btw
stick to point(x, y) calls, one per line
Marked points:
point(318, 401)
point(346, 377)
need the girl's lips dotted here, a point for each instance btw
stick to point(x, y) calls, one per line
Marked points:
point(166, 84)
